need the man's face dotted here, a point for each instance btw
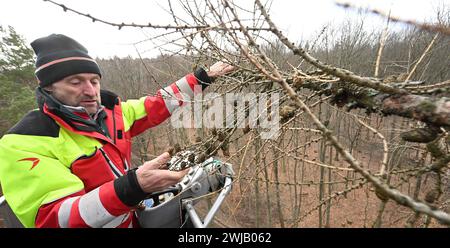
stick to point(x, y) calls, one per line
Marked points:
point(78, 90)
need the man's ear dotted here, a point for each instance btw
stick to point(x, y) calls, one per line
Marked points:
point(48, 88)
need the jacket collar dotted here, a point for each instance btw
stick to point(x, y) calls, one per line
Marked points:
point(109, 99)
point(74, 116)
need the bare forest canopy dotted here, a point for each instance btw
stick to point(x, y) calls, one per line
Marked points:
point(364, 116)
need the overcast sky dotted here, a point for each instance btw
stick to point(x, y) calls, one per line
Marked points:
point(300, 18)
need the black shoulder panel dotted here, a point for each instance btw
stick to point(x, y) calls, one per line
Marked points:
point(109, 99)
point(36, 123)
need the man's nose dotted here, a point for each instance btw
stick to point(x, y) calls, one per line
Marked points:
point(89, 89)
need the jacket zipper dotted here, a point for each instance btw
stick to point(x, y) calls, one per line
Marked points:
point(112, 166)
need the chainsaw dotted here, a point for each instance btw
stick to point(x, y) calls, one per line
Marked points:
point(174, 207)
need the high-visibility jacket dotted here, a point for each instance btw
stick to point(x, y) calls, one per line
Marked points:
point(58, 169)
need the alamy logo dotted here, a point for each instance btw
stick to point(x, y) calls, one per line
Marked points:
point(230, 110)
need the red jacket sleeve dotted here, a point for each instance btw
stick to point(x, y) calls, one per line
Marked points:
point(100, 207)
point(168, 99)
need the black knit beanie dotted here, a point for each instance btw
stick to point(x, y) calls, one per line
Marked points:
point(59, 56)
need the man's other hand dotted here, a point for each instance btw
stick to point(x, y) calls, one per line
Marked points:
point(219, 69)
point(153, 175)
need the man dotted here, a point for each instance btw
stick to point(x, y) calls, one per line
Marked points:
point(67, 164)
